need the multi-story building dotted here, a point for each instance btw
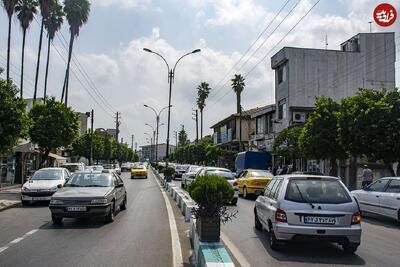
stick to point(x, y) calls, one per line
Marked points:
point(83, 122)
point(148, 152)
point(367, 60)
point(262, 138)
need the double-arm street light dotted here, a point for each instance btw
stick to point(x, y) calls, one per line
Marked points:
point(158, 114)
point(171, 76)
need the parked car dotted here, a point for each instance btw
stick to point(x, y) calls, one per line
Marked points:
point(95, 168)
point(117, 168)
point(89, 194)
point(126, 167)
point(73, 167)
point(222, 172)
point(139, 171)
point(189, 176)
point(179, 171)
point(381, 197)
point(253, 182)
point(306, 207)
point(43, 184)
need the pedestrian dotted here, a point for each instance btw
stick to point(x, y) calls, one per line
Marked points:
point(367, 176)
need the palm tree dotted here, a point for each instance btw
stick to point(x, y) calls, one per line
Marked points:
point(26, 10)
point(9, 6)
point(238, 87)
point(203, 90)
point(45, 12)
point(53, 25)
point(77, 13)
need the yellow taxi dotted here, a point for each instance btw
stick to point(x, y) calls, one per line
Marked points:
point(253, 182)
point(138, 171)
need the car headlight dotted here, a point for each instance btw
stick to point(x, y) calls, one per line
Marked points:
point(56, 201)
point(99, 201)
point(53, 188)
point(25, 189)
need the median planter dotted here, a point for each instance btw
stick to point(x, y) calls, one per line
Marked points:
point(168, 172)
point(211, 194)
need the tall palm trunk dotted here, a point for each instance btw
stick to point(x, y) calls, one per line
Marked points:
point(47, 68)
point(66, 80)
point(239, 110)
point(38, 60)
point(238, 102)
point(201, 124)
point(8, 47)
point(22, 62)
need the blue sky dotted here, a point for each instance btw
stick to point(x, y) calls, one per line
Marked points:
point(110, 50)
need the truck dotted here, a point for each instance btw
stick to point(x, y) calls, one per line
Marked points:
point(252, 160)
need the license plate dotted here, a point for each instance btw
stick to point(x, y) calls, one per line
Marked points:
point(76, 208)
point(319, 220)
point(39, 198)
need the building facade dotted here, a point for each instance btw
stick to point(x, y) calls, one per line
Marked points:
point(262, 138)
point(148, 152)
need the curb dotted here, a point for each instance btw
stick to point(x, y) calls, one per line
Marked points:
point(206, 254)
point(13, 205)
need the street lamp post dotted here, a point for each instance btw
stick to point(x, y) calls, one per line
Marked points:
point(157, 125)
point(171, 76)
point(154, 140)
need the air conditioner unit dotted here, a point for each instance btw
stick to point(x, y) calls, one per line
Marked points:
point(299, 117)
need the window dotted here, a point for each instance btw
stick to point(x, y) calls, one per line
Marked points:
point(275, 192)
point(282, 74)
point(378, 186)
point(66, 174)
point(282, 109)
point(260, 125)
point(269, 188)
point(394, 186)
point(268, 124)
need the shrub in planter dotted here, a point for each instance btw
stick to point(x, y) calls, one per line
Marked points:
point(168, 172)
point(211, 194)
point(160, 168)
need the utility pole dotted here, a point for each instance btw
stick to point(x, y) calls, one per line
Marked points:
point(196, 118)
point(122, 140)
point(91, 137)
point(117, 124)
point(133, 137)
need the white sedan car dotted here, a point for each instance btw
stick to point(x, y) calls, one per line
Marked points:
point(381, 197)
point(43, 184)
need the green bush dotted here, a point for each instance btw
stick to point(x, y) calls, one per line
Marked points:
point(168, 171)
point(211, 192)
point(160, 168)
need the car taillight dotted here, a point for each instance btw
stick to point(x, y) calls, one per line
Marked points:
point(356, 218)
point(235, 183)
point(280, 216)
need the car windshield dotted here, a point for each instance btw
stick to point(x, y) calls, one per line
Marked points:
point(224, 174)
point(139, 167)
point(260, 174)
point(47, 175)
point(108, 166)
point(71, 168)
point(97, 168)
point(90, 180)
point(316, 190)
point(194, 169)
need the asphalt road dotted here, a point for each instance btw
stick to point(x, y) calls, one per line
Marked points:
point(380, 245)
point(139, 236)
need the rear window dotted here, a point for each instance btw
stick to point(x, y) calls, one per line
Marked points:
point(322, 191)
point(260, 174)
point(223, 174)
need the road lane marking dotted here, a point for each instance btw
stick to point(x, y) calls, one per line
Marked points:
point(17, 240)
point(235, 251)
point(176, 244)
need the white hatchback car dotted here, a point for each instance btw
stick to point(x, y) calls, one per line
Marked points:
point(43, 184)
point(308, 207)
point(381, 197)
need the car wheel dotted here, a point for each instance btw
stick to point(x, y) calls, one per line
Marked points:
point(257, 223)
point(25, 202)
point(132, 177)
point(398, 216)
point(350, 248)
point(56, 220)
point(124, 204)
point(245, 193)
point(273, 242)
point(110, 215)
point(234, 201)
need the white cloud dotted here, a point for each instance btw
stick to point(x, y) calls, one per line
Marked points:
point(123, 3)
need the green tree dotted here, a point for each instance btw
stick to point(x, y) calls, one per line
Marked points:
point(287, 144)
point(108, 148)
point(45, 12)
point(182, 137)
point(53, 126)
point(238, 87)
point(26, 10)
point(77, 14)
point(321, 131)
point(203, 90)
point(9, 6)
point(81, 146)
point(53, 24)
point(13, 119)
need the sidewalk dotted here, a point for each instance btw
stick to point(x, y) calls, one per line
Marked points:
point(10, 197)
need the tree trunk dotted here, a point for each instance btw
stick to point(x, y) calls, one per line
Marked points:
point(47, 68)
point(390, 168)
point(38, 61)
point(22, 63)
point(9, 47)
point(201, 124)
point(239, 108)
point(66, 79)
point(44, 158)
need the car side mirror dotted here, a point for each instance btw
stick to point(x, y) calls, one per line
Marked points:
point(119, 185)
point(59, 186)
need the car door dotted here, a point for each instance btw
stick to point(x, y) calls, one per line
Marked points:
point(240, 181)
point(117, 189)
point(390, 199)
point(263, 203)
point(272, 199)
point(369, 200)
